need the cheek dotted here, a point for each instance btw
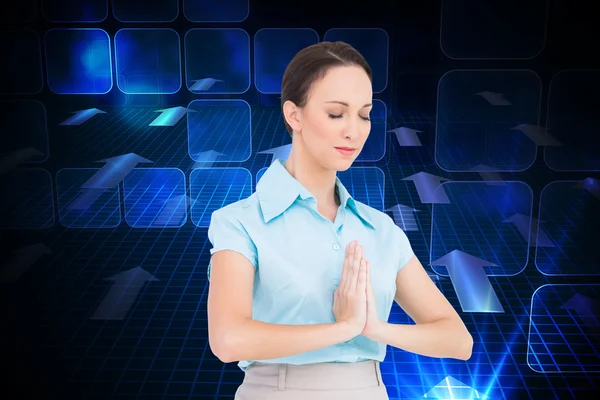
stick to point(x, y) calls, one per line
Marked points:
point(365, 131)
point(320, 129)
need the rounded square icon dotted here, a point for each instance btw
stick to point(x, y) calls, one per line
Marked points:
point(78, 61)
point(148, 61)
point(477, 224)
point(217, 60)
point(487, 120)
point(219, 131)
point(508, 29)
point(564, 335)
point(155, 198)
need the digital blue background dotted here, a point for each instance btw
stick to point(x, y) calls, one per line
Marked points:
point(99, 91)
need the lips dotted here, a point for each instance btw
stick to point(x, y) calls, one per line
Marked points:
point(345, 151)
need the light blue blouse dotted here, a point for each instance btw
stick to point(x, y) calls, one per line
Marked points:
point(298, 254)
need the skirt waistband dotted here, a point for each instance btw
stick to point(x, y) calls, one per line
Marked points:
point(317, 376)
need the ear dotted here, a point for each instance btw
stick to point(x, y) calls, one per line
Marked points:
point(292, 115)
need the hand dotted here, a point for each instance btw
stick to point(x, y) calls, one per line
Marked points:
point(373, 322)
point(350, 297)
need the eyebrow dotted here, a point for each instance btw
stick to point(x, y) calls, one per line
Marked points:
point(346, 104)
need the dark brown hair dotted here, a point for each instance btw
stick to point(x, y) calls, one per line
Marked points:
point(311, 64)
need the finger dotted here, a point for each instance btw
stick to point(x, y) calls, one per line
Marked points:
point(347, 267)
point(350, 267)
point(369, 287)
point(362, 278)
point(356, 268)
point(342, 286)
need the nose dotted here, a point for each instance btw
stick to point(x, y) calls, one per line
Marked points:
point(352, 130)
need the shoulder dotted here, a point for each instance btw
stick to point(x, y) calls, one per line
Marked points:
point(243, 211)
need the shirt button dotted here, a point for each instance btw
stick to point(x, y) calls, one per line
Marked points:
point(336, 246)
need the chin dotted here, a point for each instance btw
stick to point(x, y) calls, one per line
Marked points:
point(343, 165)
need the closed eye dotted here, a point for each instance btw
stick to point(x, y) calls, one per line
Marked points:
point(334, 116)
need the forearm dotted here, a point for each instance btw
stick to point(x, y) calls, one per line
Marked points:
point(256, 340)
point(444, 338)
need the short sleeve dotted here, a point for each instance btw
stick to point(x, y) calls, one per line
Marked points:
point(226, 232)
point(405, 249)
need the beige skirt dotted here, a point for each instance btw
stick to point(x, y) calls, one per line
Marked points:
point(320, 381)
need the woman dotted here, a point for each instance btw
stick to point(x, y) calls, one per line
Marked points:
point(302, 276)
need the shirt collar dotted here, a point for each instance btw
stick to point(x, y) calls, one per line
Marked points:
point(277, 190)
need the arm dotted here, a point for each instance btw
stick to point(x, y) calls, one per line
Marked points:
point(438, 330)
point(234, 335)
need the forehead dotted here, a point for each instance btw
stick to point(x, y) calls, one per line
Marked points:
point(348, 83)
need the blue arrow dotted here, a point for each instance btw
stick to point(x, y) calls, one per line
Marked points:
point(114, 171)
point(586, 308)
point(122, 293)
point(426, 185)
point(16, 158)
point(404, 217)
point(471, 284)
point(407, 137)
point(82, 116)
point(21, 261)
point(281, 152)
point(203, 84)
point(170, 116)
point(451, 388)
point(530, 230)
point(206, 159)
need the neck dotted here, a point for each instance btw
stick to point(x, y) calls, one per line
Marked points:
point(319, 181)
